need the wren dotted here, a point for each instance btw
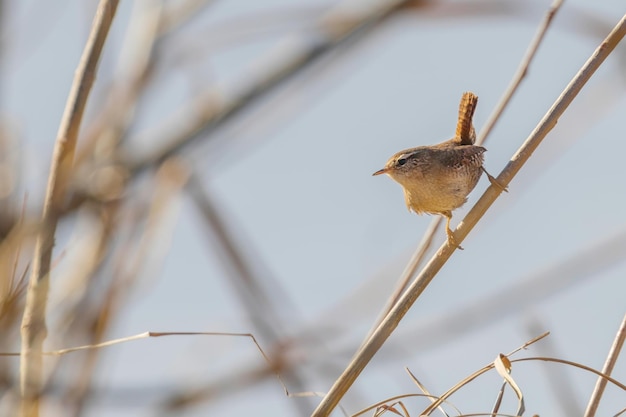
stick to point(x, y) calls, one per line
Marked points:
point(438, 178)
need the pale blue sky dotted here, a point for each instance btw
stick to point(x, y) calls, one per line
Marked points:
point(294, 178)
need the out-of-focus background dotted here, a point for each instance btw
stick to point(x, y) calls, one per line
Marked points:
point(227, 153)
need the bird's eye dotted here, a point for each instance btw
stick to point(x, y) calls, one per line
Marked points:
point(401, 161)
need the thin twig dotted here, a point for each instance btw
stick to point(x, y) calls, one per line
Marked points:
point(271, 368)
point(386, 328)
point(607, 369)
point(429, 235)
point(475, 375)
point(144, 335)
point(34, 324)
point(576, 365)
point(430, 397)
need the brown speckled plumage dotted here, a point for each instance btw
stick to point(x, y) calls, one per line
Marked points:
point(437, 179)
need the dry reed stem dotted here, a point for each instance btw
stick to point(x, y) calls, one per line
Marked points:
point(520, 74)
point(386, 328)
point(609, 364)
point(34, 322)
point(93, 313)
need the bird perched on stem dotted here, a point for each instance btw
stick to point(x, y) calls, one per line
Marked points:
point(437, 179)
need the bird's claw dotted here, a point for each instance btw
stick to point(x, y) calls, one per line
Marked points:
point(452, 241)
point(495, 182)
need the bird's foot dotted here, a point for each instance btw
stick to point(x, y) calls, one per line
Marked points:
point(452, 241)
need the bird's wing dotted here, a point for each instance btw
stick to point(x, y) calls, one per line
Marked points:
point(461, 156)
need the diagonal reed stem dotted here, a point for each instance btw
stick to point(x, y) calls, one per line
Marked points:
point(367, 351)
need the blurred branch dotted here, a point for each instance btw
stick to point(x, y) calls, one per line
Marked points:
point(521, 72)
point(255, 295)
point(34, 322)
point(558, 380)
point(91, 318)
point(607, 369)
point(180, 12)
point(141, 249)
point(246, 28)
point(136, 62)
point(210, 110)
point(247, 282)
point(386, 328)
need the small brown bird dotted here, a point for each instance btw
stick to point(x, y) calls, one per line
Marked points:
point(437, 179)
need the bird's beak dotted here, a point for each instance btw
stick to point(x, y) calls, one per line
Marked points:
point(380, 171)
